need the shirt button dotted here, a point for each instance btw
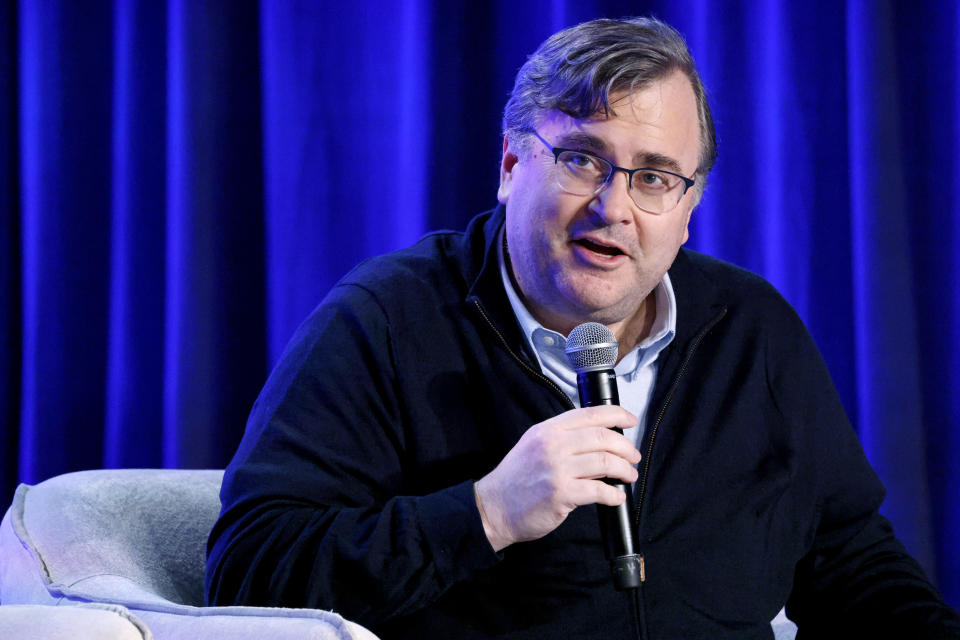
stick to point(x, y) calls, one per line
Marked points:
point(548, 340)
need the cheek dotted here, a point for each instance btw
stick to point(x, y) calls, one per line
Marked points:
point(536, 226)
point(668, 233)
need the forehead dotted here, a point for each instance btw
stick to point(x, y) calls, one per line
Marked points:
point(657, 119)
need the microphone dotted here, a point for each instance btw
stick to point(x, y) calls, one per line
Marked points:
point(592, 351)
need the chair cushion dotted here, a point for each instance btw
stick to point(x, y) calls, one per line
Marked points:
point(82, 622)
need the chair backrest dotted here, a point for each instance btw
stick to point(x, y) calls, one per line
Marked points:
point(140, 530)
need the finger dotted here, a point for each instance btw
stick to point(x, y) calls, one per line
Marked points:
point(584, 492)
point(601, 439)
point(590, 466)
point(608, 416)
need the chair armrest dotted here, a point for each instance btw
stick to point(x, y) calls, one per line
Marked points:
point(81, 622)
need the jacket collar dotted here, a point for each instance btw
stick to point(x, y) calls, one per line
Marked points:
point(486, 293)
point(699, 299)
point(700, 305)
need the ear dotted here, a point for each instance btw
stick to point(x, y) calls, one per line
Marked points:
point(507, 162)
point(686, 226)
point(697, 194)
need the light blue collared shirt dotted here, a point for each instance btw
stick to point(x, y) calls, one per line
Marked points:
point(636, 372)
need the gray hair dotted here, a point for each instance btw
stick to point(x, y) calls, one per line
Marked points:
point(576, 70)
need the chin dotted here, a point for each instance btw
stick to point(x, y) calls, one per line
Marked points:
point(605, 310)
point(598, 299)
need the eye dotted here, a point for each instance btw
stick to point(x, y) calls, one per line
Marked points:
point(581, 162)
point(653, 181)
point(651, 178)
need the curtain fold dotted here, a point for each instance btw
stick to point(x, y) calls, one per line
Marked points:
point(64, 110)
point(135, 364)
point(10, 305)
point(348, 145)
point(214, 339)
point(881, 212)
point(182, 182)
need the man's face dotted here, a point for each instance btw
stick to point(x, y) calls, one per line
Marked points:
point(582, 258)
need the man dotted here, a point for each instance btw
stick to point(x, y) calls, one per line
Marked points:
point(417, 463)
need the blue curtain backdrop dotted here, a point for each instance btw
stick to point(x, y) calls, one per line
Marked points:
point(181, 182)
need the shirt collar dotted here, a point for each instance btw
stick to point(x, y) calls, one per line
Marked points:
point(548, 345)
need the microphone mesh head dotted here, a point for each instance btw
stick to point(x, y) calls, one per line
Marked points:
point(591, 346)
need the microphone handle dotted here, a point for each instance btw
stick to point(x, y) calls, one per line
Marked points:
point(599, 388)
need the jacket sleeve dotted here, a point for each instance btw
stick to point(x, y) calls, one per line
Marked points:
point(313, 506)
point(856, 579)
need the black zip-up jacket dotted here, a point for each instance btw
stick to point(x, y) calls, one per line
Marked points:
point(352, 488)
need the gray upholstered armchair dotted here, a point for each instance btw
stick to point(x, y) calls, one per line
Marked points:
point(126, 549)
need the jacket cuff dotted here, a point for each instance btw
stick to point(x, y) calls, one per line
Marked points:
point(451, 525)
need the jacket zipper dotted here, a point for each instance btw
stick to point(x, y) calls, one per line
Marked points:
point(641, 618)
point(656, 425)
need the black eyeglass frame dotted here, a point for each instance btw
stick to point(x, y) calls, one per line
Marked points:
point(556, 151)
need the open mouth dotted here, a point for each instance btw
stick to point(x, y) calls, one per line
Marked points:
point(599, 248)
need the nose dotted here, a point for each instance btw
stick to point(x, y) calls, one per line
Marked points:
point(613, 203)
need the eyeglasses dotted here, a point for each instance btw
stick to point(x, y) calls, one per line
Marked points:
point(584, 174)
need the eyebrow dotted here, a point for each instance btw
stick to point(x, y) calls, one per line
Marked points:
point(587, 142)
point(581, 140)
point(658, 161)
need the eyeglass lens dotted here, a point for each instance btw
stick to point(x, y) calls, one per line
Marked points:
point(651, 190)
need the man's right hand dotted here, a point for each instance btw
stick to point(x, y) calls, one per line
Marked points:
point(557, 466)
